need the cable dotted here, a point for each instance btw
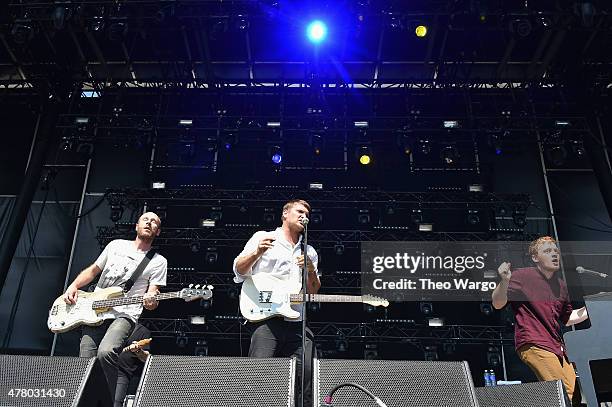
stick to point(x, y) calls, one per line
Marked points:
point(328, 398)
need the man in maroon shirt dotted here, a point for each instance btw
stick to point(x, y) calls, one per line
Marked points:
point(540, 302)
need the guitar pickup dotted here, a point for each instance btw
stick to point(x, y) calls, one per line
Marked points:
point(265, 297)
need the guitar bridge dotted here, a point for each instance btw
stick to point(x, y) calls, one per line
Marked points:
point(265, 297)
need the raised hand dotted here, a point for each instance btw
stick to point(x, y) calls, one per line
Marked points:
point(504, 271)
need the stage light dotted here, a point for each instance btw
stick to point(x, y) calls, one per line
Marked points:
point(519, 217)
point(370, 352)
point(161, 211)
point(425, 227)
point(405, 143)
point(66, 143)
point(316, 31)
point(450, 124)
point(486, 308)
point(562, 123)
point(269, 215)
point(117, 30)
point(276, 155)
point(116, 213)
point(450, 155)
point(430, 353)
point(473, 217)
point(211, 255)
point(577, 147)
point(475, 188)
point(425, 146)
point(316, 217)
point(364, 217)
point(197, 320)
point(365, 157)
point(201, 348)
point(417, 216)
point(495, 141)
point(315, 143)
point(426, 308)
point(216, 213)
point(314, 306)
point(22, 31)
point(521, 27)
point(181, 340)
point(229, 140)
point(361, 124)
point(341, 343)
point(194, 246)
point(420, 31)
point(436, 322)
point(158, 185)
point(185, 122)
point(206, 304)
point(493, 356)
point(339, 249)
point(556, 154)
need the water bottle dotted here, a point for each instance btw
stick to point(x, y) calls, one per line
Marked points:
point(492, 378)
point(487, 378)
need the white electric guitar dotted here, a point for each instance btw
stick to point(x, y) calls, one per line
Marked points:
point(264, 296)
point(64, 317)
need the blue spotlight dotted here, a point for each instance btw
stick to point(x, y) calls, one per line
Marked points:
point(316, 31)
point(276, 154)
point(277, 158)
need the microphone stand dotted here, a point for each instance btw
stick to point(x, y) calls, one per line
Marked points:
point(305, 294)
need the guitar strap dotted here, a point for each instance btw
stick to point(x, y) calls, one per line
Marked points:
point(138, 272)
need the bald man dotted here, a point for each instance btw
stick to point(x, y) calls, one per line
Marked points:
point(116, 263)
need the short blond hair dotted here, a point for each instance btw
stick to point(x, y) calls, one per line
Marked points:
point(292, 202)
point(536, 244)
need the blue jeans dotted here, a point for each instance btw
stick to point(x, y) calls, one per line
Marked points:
point(105, 342)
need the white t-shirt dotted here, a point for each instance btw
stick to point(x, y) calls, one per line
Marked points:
point(278, 261)
point(118, 261)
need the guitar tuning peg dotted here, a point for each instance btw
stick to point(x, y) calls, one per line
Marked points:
point(210, 287)
point(190, 285)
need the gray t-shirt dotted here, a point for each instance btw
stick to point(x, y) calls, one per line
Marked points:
point(118, 261)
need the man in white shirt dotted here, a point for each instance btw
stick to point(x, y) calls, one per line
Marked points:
point(117, 262)
point(279, 253)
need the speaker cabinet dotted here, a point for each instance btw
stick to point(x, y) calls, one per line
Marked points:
point(396, 383)
point(216, 382)
point(52, 381)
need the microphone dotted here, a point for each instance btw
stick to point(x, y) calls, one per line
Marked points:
point(304, 221)
point(582, 270)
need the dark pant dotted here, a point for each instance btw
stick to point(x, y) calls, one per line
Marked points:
point(105, 343)
point(279, 338)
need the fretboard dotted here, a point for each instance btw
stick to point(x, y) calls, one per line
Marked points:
point(115, 302)
point(326, 298)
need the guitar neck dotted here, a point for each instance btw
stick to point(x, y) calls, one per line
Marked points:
point(115, 302)
point(297, 298)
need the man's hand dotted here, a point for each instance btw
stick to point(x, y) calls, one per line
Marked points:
point(265, 244)
point(504, 271)
point(149, 301)
point(300, 263)
point(71, 294)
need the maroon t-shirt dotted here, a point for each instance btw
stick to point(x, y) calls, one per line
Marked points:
point(541, 308)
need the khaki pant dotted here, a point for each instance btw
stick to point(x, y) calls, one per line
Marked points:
point(547, 366)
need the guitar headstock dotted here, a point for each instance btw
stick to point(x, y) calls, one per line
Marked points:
point(375, 301)
point(196, 292)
